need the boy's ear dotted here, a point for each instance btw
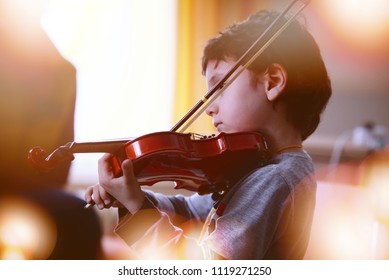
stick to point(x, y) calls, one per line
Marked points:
point(275, 81)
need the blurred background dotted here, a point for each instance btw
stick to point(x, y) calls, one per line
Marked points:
point(83, 70)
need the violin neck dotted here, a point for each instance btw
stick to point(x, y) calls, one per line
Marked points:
point(41, 160)
point(111, 146)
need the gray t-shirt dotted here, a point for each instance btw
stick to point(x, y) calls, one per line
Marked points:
point(266, 215)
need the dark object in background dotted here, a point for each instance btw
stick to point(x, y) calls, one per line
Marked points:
point(78, 231)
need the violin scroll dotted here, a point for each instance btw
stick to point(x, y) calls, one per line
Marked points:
point(39, 158)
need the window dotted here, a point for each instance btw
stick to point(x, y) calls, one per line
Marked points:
point(124, 53)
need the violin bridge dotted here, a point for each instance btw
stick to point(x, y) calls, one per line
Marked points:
point(197, 136)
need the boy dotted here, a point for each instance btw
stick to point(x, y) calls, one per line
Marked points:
point(268, 213)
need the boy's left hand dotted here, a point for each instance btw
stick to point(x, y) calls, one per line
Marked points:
point(125, 189)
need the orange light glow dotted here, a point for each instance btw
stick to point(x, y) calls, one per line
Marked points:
point(359, 23)
point(21, 23)
point(344, 225)
point(26, 231)
point(375, 171)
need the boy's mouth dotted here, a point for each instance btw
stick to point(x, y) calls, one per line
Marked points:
point(216, 124)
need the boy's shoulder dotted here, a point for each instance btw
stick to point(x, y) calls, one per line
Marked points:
point(286, 169)
point(294, 161)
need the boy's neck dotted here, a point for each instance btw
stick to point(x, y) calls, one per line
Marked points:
point(289, 148)
point(284, 140)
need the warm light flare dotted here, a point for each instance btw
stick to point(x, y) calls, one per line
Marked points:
point(344, 224)
point(349, 237)
point(376, 177)
point(356, 13)
point(344, 237)
point(13, 253)
point(359, 23)
point(19, 230)
point(20, 20)
point(24, 11)
point(26, 231)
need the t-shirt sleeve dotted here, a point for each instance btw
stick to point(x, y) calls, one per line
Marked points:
point(150, 233)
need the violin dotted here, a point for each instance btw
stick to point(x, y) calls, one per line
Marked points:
point(193, 162)
point(197, 163)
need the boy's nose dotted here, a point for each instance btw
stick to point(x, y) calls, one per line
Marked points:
point(211, 110)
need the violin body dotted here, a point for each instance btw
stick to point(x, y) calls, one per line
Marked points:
point(203, 165)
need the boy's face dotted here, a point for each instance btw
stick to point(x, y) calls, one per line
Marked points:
point(243, 106)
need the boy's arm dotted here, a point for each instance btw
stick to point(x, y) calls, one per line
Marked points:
point(150, 233)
